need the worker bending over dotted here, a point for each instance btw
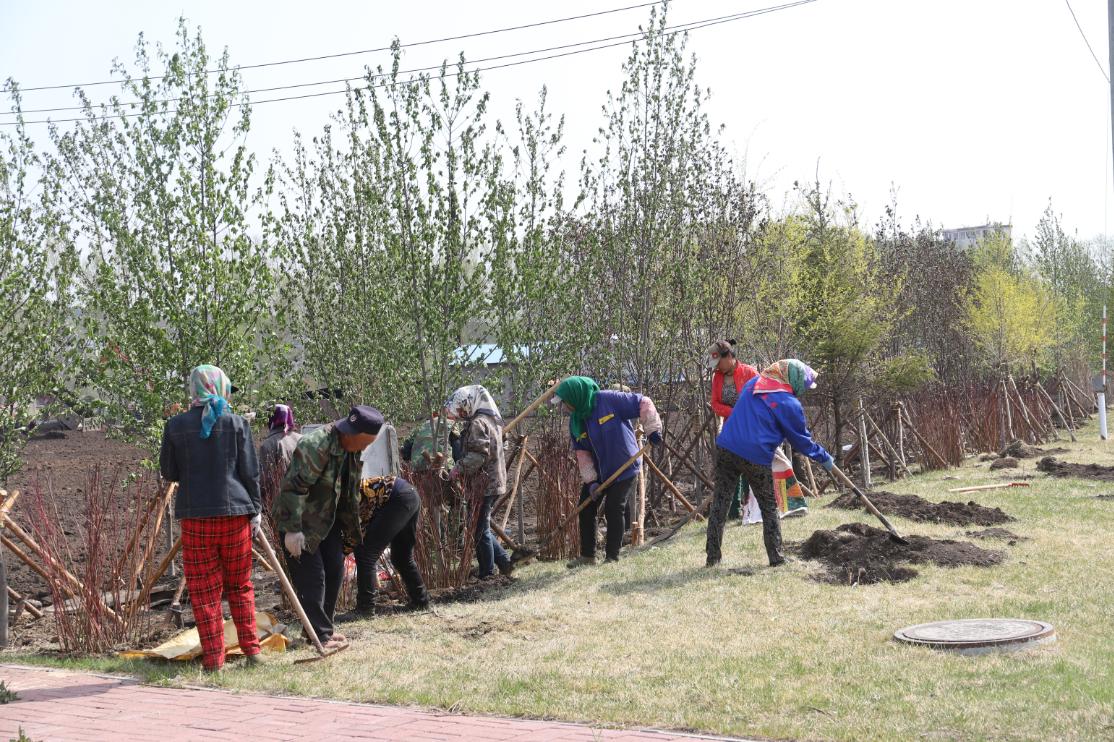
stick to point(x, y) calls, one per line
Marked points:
point(767, 412)
point(603, 440)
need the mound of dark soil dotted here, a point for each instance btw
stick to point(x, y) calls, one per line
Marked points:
point(1055, 467)
point(918, 508)
point(1001, 533)
point(856, 553)
point(1020, 450)
point(1008, 462)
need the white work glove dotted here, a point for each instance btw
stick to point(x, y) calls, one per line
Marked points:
point(295, 542)
point(256, 525)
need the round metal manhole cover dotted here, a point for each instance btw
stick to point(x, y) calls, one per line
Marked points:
point(978, 635)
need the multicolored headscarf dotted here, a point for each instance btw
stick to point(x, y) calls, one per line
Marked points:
point(579, 392)
point(473, 400)
point(282, 417)
point(209, 388)
point(786, 375)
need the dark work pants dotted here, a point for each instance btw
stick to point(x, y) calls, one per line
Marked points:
point(489, 552)
point(615, 513)
point(729, 468)
point(394, 524)
point(317, 577)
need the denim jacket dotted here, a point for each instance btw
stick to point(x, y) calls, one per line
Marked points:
point(216, 476)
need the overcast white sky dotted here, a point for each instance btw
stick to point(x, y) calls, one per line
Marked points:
point(973, 109)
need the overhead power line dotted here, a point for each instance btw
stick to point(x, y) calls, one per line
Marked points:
point(1085, 41)
point(358, 52)
point(669, 31)
point(621, 38)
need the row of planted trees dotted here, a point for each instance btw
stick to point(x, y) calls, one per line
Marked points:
point(148, 238)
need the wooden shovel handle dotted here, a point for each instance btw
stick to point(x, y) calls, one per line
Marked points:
point(291, 594)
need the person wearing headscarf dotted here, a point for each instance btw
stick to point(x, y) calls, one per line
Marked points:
point(209, 452)
point(729, 375)
point(603, 440)
point(317, 513)
point(767, 412)
point(482, 454)
point(276, 450)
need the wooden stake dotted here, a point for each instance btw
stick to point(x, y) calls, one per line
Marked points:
point(668, 485)
point(21, 599)
point(38, 551)
point(1056, 409)
point(898, 460)
point(928, 446)
point(981, 487)
point(160, 570)
point(517, 481)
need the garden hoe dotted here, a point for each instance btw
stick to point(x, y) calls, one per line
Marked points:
point(840, 476)
point(292, 596)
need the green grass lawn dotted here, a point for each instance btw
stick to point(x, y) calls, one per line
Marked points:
point(658, 640)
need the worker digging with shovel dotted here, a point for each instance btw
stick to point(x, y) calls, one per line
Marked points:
point(606, 451)
point(767, 412)
point(318, 509)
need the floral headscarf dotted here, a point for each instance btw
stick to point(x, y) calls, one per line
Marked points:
point(282, 417)
point(209, 388)
point(473, 400)
point(786, 375)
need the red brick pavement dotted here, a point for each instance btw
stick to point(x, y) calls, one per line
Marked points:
point(63, 705)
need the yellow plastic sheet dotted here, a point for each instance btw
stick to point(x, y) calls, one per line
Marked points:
point(186, 646)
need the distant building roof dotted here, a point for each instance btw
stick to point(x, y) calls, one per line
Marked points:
point(488, 354)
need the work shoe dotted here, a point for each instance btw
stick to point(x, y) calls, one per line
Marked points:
point(214, 670)
point(711, 562)
point(582, 562)
point(254, 660)
point(357, 614)
point(611, 560)
point(418, 606)
point(336, 641)
point(506, 569)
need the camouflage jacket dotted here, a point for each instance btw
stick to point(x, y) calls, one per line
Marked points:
point(424, 445)
point(482, 441)
point(312, 495)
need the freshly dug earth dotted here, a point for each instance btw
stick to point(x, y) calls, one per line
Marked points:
point(918, 508)
point(1051, 465)
point(1020, 450)
point(856, 553)
point(1007, 462)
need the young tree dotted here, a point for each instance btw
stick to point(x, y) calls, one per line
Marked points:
point(37, 262)
point(158, 184)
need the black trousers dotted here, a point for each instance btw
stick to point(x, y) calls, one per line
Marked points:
point(615, 513)
point(394, 524)
point(317, 577)
point(729, 468)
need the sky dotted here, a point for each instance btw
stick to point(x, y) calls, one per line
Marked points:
point(971, 110)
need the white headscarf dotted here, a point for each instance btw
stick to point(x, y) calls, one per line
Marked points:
point(474, 400)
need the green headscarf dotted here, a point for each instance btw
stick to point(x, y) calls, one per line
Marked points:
point(580, 393)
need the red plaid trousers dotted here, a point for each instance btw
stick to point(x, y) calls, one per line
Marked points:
point(216, 558)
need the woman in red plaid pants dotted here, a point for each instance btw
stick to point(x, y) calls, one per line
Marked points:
point(208, 451)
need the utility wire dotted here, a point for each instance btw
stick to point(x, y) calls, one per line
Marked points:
point(372, 76)
point(358, 52)
point(1085, 41)
point(680, 28)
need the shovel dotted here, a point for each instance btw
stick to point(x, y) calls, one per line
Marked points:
point(840, 476)
point(292, 596)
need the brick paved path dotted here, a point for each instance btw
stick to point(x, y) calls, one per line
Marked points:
point(63, 705)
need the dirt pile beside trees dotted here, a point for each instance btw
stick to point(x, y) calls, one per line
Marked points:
point(920, 509)
point(1055, 467)
point(858, 554)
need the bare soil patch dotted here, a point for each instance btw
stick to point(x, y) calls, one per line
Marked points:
point(858, 554)
point(1055, 467)
point(920, 509)
point(998, 533)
